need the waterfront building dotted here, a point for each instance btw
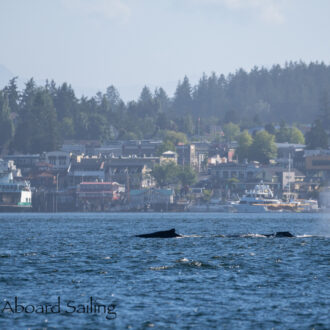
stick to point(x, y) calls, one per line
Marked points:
point(133, 172)
point(113, 149)
point(86, 169)
point(141, 148)
point(98, 196)
point(60, 160)
point(249, 172)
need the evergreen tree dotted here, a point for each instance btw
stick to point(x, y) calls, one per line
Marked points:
point(325, 110)
point(113, 96)
point(146, 105)
point(317, 137)
point(13, 95)
point(45, 134)
point(145, 96)
point(270, 128)
point(201, 97)
point(24, 131)
point(187, 125)
point(182, 102)
point(64, 101)
point(162, 100)
point(6, 123)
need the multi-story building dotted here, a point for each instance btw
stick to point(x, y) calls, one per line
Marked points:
point(317, 164)
point(88, 169)
point(201, 153)
point(60, 160)
point(243, 172)
point(140, 148)
point(287, 151)
point(187, 155)
point(132, 172)
point(97, 196)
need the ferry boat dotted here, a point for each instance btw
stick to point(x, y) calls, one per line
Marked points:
point(14, 196)
point(258, 200)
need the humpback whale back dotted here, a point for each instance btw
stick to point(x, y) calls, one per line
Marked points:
point(280, 234)
point(283, 234)
point(171, 234)
point(161, 234)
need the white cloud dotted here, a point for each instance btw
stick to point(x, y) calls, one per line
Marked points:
point(108, 9)
point(268, 10)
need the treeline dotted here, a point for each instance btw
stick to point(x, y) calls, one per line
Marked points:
point(293, 93)
point(39, 118)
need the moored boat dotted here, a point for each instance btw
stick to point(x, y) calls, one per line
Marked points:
point(258, 200)
point(15, 196)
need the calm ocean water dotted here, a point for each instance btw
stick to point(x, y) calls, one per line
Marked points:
point(199, 281)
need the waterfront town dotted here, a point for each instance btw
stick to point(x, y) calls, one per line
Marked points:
point(134, 175)
point(254, 141)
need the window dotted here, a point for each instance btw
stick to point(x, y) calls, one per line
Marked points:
point(52, 160)
point(62, 160)
point(321, 162)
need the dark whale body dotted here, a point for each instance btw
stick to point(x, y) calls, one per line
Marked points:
point(280, 234)
point(161, 234)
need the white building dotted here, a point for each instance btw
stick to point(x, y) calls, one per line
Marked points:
point(60, 160)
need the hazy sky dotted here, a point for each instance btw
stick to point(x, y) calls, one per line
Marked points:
point(131, 43)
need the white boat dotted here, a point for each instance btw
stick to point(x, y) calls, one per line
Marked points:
point(14, 196)
point(257, 200)
point(214, 205)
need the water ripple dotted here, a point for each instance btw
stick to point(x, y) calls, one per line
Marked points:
point(221, 274)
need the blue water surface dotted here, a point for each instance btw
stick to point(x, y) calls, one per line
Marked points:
point(203, 280)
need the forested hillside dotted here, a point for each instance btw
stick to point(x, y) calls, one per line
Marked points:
point(38, 118)
point(292, 93)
